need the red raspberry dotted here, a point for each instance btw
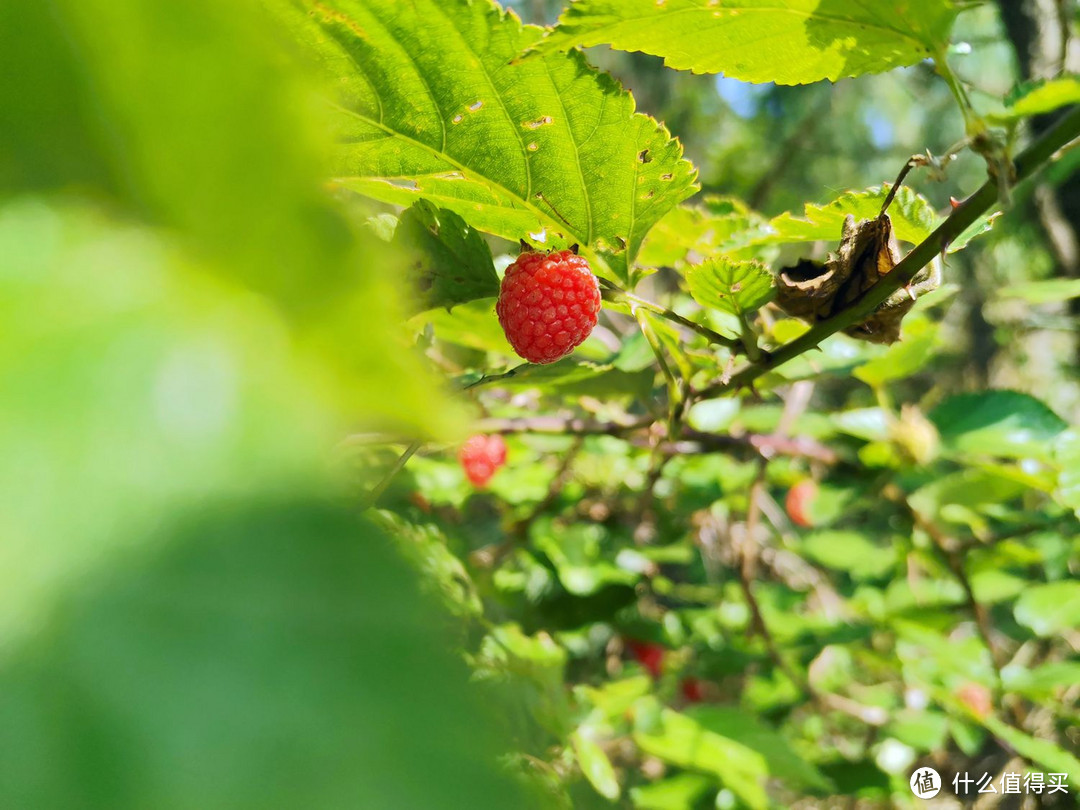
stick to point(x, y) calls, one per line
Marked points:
point(481, 456)
point(649, 654)
point(548, 304)
point(692, 689)
point(798, 502)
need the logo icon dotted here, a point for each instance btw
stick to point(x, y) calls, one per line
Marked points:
point(926, 783)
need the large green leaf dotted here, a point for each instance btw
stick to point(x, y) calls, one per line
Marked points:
point(730, 286)
point(690, 233)
point(790, 42)
point(448, 262)
point(432, 103)
point(244, 659)
point(997, 423)
point(594, 763)
point(1050, 609)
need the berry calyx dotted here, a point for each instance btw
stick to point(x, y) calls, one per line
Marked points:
point(548, 304)
point(649, 654)
point(481, 457)
point(798, 502)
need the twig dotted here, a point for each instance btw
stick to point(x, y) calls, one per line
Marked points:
point(1039, 153)
point(614, 293)
point(381, 487)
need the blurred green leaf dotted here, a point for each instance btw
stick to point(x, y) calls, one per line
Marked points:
point(594, 764)
point(1050, 291)
point(239, 657)
point(798, 42)
point(1067, 455)
point(849, 551)
point(683, 741)
point(903, 358)
point(447, 261)
point(1039, 97)
point(1049, 609)
point(784, 762)
point(997, 423)
point(1042, 752)
point(432, 103)
point(674, 793)
point(687, 234)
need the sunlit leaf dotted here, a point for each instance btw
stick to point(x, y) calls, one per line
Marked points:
point(431, 102)
point(1050, 291)
point(594, 764)
point(1050, 609)
point(1039, 98)
point(997, 423)
point(796, 42)
point(736, 287)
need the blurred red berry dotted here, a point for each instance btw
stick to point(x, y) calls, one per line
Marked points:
point(976, 697)
point(481, 456)
point(692, 690)
point(649, 654)
point(798, 502)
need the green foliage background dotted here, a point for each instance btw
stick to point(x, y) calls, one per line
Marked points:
point(248, 255)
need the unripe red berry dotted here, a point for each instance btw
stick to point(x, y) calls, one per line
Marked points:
point(649, 654)
point(798, 502)
point(548, 304)
point(481, 456)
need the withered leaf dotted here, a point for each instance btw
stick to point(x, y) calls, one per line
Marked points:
point(816, 291)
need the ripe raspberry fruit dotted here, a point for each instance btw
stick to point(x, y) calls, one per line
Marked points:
point(798, 503)
point(481, 456)
point(693, 689)
point(649, 654)
point(548, 304)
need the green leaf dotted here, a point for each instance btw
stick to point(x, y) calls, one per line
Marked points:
point(594, 763)
point(1039, 97)
point(849, 551)
point(784, 762)
point(432, 103)
point(675, 793)
point(1067, 456)
point(913, 217)
point(903, 358)
point(473, 324)
point(740, 288)
point(684, 742)
point(1050, 609)
point(448, 262)
point(232, 661)
point(687, 234)
point(1050, 291)
point(794, 42)
point(576, 554)
point(997, 423)
point(1042, 752)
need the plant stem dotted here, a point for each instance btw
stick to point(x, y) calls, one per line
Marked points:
point(381, 487)
point(617, 293)
point(1037, 155)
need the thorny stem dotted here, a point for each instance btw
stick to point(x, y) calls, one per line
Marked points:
point(1037, 155)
